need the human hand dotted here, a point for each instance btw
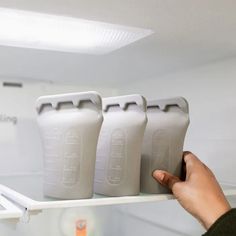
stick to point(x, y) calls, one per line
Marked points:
point(200, 194)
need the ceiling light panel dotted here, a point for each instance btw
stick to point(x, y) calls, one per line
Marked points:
point(60, 33)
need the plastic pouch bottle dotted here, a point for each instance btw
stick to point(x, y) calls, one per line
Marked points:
point(168, 120)
point(69, 125)
point(119, 147)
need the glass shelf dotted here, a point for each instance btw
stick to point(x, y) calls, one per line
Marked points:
point(8, 210)
point(27, 191)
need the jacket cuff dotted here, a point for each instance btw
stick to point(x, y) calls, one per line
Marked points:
point(225, 225)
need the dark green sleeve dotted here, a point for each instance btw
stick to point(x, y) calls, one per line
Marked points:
point(224, 226)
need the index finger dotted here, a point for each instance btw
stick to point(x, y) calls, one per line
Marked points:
point(189, 157)
point(191, 162)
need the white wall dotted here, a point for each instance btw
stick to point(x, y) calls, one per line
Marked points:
point(20, 146)
point(211, 92)
point(21, 154)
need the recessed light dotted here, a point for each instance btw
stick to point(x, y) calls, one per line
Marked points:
point(61, 33)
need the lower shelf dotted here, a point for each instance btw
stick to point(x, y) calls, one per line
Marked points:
point(27, 191)
point(8, 210)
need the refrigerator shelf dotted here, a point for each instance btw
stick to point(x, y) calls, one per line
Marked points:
point(8, 210)
point(26, 191)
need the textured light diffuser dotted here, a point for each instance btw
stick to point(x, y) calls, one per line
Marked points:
point(60, 33)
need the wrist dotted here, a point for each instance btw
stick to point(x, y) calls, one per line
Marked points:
point(214, 214)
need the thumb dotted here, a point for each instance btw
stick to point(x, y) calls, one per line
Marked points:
point(165, 178)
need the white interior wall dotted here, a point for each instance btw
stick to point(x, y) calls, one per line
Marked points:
point(20, 146)
point(211, 135)
point(210, 91)
point(21, 153)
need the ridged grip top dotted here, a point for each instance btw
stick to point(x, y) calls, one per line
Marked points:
point(124, 101)
point(164, 103)
point(74, 98)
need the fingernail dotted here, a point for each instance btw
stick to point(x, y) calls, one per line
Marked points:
point(159, 175)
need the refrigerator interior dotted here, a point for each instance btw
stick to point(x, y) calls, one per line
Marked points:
point(183, 58)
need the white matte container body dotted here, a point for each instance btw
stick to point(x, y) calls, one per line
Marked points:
point(69, 126)
point(168, 120)
point(119, 147)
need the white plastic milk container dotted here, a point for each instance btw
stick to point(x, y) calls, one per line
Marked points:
point(163, 142)
point(69, 125)
point(119, 147)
